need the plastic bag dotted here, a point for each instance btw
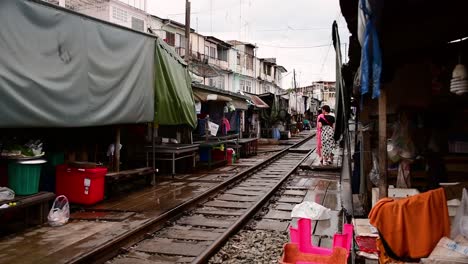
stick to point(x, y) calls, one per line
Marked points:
point(401, 145)
point(60, 212)
point(6, 194)
point(460, 222)
point(374, 174)
point(311, 210)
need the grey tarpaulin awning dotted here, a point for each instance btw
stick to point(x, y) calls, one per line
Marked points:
point(59, 69)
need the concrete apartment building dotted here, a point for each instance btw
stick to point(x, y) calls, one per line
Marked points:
point(228, 65)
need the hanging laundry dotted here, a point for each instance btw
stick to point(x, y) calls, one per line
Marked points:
point(371, 61)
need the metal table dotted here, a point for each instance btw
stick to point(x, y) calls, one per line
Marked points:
point(173, 151)
point(214, 142)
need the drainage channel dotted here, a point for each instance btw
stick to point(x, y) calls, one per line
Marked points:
point(195, 230)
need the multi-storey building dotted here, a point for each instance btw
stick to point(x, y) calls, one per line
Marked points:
point(323, 91)
point(228, 65)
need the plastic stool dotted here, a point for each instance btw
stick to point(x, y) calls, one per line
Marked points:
point(302, 236)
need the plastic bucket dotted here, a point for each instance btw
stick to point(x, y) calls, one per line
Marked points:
point(24, 176)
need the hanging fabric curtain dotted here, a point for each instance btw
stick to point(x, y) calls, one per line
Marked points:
point(342, 97)
point(371, 61)
point(174, 103)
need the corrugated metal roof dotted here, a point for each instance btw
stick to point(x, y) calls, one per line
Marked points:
point(259, 103)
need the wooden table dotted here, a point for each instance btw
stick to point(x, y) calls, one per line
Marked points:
point(171, 152)
point(36, 206)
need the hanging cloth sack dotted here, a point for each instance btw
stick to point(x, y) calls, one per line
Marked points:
point(60, 212)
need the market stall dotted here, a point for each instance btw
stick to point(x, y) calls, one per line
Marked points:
point(87, 92)
point(407, 68)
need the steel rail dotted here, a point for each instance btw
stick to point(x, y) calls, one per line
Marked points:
point(240, 223)
point(113, 247)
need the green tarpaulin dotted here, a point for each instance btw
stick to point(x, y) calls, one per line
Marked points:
point(174, 104)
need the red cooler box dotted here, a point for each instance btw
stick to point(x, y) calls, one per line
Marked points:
point(81, 186)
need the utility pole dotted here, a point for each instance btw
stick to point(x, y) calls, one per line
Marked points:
point(187, 30)
point(295, 90)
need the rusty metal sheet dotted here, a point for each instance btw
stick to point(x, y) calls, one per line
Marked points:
point(267, 224)
point(241, 192)
point(294, 200)
point(221, 212)
point(277, 214)
point(237, 198)
point(199, 220)
point(295, 192)
point(223, 204)
point(284, 207)
point(203, 235)
point(170, 247)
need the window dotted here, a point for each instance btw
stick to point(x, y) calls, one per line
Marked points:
point(213, 52)
point(267, 70)
point(220, 82)
point(249, 62)
point(238, 58)
point(246, 86)
point(170, 38)
point(119, 14)
point(207, 51)
point(138, 24)
point(212, 82)
point(222, 54)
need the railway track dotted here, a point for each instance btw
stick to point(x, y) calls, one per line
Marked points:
point(193, 231)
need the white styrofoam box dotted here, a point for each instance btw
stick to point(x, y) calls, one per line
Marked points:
point(396, 193)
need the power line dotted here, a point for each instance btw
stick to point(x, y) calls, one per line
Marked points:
point(293, 47)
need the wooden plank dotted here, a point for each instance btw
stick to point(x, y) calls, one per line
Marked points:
point(198, 220)
point(102, 216)
point(383, 185)
point(284, 207)
point(328, 227)
point(332, 200)
point(237, 198)
point(169, 247)
point(295, 192)
point(294, 200)
point(241, 192)
point(223, 204)
point(267, 224)
point(217, 211)
point(202, 235)
point(278, 215)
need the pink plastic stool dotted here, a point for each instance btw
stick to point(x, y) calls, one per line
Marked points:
point(302, 236)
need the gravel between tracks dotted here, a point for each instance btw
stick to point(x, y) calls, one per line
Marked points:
point(252, 246)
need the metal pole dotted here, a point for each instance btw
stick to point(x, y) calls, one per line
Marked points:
point(187, 31)
point(117, 150)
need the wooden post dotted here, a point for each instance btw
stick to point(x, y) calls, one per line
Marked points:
point(383, 185)
point(117, 150)
point(153, 151)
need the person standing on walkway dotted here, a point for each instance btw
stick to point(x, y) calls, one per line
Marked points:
point(318, 136)
point(326, 125)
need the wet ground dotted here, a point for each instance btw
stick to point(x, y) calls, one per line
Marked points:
point(119, 214)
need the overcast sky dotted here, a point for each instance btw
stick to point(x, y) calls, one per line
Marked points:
point(282, 29)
